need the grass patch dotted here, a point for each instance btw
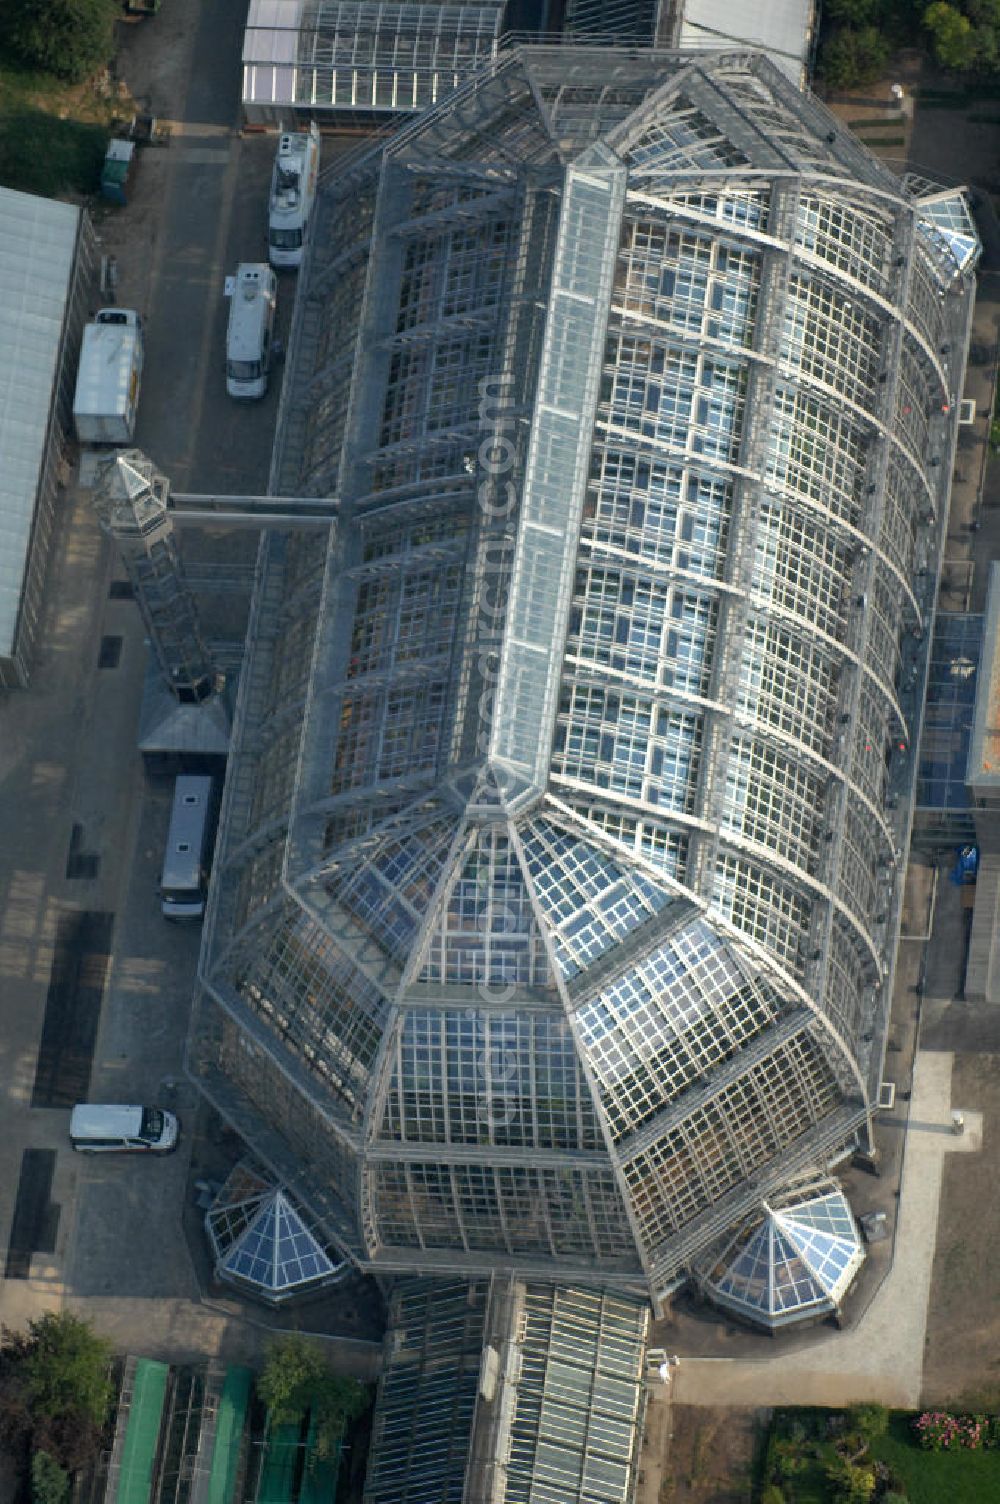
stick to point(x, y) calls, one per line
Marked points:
point(41, 154)
point(960, 1477)
point(53, 136)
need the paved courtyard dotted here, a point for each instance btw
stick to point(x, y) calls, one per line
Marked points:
point(880, 1356)
point(95, 987)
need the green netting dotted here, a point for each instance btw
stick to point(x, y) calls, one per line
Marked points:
point(228, 1435)
point(142, 1433)
point(319, 1476)
point(281, 1458)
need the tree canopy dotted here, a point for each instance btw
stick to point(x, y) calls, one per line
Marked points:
point(858, 37)
point(49, 1483)
point(853, 12)
point(297, 1377)
point(953, 39)
point(55, 1389)
point(69, 38)
point(854, 57)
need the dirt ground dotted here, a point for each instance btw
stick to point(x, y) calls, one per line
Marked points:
point(962, 1349)
point(711, 1455)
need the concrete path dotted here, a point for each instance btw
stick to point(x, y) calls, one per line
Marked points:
point(881, 1357)
point(182, 1331)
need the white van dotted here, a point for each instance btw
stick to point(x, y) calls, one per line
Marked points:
point(293, 192)
point(103, 1128)
point(253, 297)
point(188, 856)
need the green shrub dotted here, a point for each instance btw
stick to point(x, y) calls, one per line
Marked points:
point(853, 57)
point(868, 1421)
point(49, 1484)
point(68, 38)
point(297, 1377)
point(853, 12)
point(952, 36)
point(850, 1483)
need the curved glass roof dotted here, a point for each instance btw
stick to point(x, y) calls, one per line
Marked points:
point(798, 1261)
point(570, 939)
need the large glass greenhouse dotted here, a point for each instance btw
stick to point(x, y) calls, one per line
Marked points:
point(558, 887)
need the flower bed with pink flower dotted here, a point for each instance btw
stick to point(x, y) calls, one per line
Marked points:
point(940, 1431)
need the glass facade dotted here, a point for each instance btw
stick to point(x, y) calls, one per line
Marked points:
point(943, 801)
point(559, 870)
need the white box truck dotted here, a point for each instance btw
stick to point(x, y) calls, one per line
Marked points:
point(107, 382)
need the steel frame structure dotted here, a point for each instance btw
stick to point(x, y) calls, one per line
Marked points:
point(364, 57)
point(558, 888)
point(501, 1389)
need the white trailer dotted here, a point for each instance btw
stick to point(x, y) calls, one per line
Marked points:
point(293, 192)
point(107, 382)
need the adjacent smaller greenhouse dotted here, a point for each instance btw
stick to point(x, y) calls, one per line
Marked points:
point(798, 1260)
point(263, 1242)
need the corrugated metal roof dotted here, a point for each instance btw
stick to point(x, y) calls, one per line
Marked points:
point(37, 244)
point(781, 28)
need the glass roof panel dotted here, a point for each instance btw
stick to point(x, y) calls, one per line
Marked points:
point(227, 1223)
point(590, 901)
point(667, 1021)
point(947, 225)
point(353, 54)
point(389, 891)
point(277, 1251)
point(478, 1075)
point(336, 1022)
point(950, 212)
point(487, 933)
point(37, 246)
point(556, 471)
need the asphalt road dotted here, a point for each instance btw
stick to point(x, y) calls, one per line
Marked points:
point(199, 208)
point(95, 987)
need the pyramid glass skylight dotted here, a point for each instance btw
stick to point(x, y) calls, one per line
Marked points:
point(264, 1242)
point(798, 1260)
